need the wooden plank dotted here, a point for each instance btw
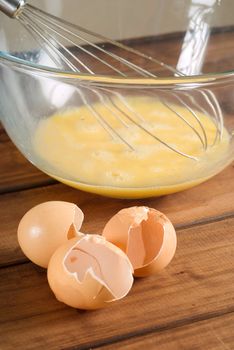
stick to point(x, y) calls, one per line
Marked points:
point(197, 285)
point(16, 171)
point(209, 200)
point(213, 334)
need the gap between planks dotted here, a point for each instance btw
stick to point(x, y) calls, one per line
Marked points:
point(152, 330)
point(180, 227)
point(27, 187)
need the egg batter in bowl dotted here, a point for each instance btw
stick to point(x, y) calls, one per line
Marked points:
point(77, 147)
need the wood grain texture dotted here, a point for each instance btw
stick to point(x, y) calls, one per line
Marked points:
point(212, 334)
point(204, 202)
point(197, 285)
point(16, 171)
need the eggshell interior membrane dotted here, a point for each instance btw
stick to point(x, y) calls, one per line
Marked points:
point(89, 273)
point(146, 235)
point(45, 227)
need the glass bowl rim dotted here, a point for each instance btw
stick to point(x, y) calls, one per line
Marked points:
point(194, 80)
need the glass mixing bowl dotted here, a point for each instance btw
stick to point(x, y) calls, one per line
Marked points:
point(129, 137)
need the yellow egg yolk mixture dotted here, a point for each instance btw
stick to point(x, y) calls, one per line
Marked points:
point(88, 152)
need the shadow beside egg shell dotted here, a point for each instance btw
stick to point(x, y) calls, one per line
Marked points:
point(147, 237)
point(89, 273)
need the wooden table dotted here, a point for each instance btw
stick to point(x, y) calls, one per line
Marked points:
point(190, 305)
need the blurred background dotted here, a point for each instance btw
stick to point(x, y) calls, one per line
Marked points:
point(122, 19)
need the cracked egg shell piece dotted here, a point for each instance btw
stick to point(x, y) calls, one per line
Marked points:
point(146, 235)
point(45, 227)
point(89, 273)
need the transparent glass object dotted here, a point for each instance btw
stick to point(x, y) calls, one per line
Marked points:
point(198, 43)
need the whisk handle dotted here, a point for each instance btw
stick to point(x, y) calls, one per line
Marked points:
point(11, 7)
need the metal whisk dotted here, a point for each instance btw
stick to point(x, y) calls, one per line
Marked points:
point(77, 49)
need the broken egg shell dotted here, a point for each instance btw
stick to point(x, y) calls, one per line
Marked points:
point(45, 227)
point(146, 235)
point(89, 273)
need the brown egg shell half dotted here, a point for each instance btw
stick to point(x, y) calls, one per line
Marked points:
point(47, 226)
point(89, 273)
point(146, 235)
